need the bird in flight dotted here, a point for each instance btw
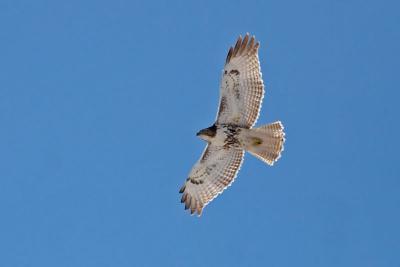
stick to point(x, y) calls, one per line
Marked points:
point(241, 95)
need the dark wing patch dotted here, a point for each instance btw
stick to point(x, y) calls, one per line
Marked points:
point(234, 72)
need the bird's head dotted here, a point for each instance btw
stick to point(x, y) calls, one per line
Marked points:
point(208, 133)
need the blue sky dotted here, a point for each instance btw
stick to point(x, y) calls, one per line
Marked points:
point(100, 102)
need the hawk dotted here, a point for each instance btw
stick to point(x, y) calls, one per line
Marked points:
point(241, 95)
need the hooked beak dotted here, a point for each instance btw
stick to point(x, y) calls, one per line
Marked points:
point(202, 132)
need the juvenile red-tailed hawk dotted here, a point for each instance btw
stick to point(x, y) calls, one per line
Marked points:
point(241, 94)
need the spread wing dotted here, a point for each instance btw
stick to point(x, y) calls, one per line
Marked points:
point(213, 172)
point(242, 88)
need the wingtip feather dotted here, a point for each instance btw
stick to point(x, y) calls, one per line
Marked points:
point(182, 189)
point(251, 43)
point(184, 196)
point(199, 211)
point(237, 45)
point(187, 202)
point(244, 44)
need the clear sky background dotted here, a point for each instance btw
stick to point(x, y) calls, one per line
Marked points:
point(100, 102)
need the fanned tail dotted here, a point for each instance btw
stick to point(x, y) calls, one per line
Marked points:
point(266, 142)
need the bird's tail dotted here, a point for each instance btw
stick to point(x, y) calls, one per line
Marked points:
point(266, 142)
